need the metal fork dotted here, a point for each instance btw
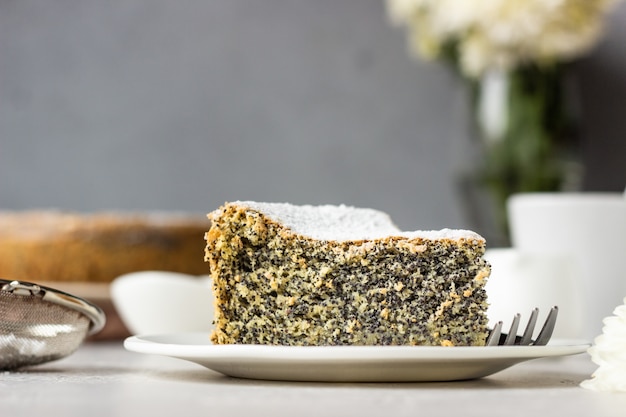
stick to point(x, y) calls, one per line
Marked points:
point(497, 338)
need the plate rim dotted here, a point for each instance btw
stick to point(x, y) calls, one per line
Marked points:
point(150, 344)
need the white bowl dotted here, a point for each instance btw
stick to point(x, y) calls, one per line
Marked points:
point(152, 302)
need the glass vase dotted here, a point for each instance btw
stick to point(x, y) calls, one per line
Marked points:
point(525, 124)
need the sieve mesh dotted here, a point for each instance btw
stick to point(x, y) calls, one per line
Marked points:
point(34, 330)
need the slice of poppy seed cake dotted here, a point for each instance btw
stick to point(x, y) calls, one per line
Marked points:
point(337, 275)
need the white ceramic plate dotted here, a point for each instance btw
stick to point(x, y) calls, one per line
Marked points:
point(346, 363)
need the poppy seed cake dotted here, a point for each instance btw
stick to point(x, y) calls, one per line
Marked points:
point(337, 275)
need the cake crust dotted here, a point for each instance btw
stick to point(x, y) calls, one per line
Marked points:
point(274, 285)
point(62, 246)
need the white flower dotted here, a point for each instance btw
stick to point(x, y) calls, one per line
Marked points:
point(501, 34)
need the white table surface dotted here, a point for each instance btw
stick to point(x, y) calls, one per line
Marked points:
point(103, 379)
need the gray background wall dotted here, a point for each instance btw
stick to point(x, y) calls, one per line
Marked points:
point(182, 105)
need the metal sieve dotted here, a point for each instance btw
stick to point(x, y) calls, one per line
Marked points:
point(40, 324)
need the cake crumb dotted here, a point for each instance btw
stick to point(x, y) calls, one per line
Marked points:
point(336, 275)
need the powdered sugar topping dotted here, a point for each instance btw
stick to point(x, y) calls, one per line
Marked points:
point(344, 223)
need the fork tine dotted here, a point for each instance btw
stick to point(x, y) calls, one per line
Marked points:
point(548, 327)
point(510, 338)
point(530, 328)
point(494, 336)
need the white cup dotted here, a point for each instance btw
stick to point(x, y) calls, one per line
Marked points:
point(519, 282)
point(590, 229)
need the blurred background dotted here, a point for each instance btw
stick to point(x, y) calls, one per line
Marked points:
point(162, 105)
